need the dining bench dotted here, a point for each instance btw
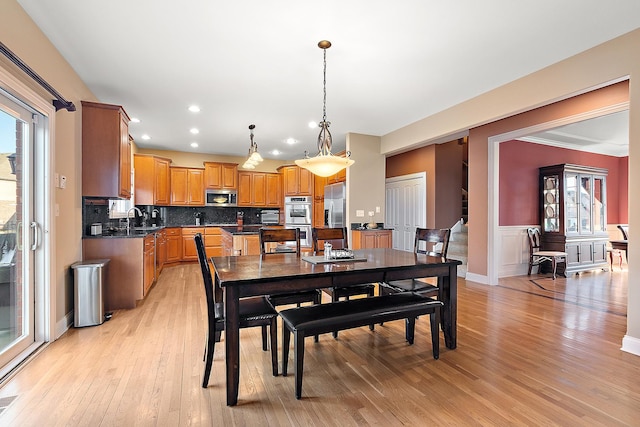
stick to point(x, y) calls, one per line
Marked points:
point(323, 318)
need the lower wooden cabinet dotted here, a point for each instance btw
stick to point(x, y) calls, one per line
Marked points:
point(213, 241)
point(189, 251)
point(370, 239)
point(174, 244)
point(149, 268)
point(240, 244)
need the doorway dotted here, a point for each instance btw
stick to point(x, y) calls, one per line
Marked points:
point(405, 208)
point(23, 132)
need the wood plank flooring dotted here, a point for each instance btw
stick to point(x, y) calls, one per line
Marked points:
point(531, 351)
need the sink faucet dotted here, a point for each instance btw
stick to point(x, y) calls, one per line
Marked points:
point(131, 209)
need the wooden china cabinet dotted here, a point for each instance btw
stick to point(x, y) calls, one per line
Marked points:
point(573, 215)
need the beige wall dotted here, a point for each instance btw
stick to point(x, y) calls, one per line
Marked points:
point(365, 178)
point(23, 37)
point(599, 66)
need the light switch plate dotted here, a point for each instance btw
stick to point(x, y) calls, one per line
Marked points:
point(360, 213)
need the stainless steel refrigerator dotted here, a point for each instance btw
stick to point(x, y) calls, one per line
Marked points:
point(335, 205)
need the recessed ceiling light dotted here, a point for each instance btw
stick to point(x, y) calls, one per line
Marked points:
point(194, 108)
point(313, 125)
point(135, 120)
point(275, 153)
point(194, 144)
point(145, 137)
point(291, 141)
point(194, 131)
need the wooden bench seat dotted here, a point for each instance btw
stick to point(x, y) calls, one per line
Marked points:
point(323, 318)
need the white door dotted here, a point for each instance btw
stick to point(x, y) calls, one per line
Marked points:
point(21, 136)
point(405, 208)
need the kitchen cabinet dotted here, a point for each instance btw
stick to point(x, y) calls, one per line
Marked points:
point(149, 264)
point(370, 239)
point(297, 181)
point(240, 244)
point(221, 176)
point(252, 189)
point(189, 251)
point(152, 180)
point(106, 149)
point(573, 215)
point(125, 276)
point(174, 244)
point(187, 186)
point(213, 241)
point(274, 197)
point(339, 177)
point(161, 250)
point(319, 183)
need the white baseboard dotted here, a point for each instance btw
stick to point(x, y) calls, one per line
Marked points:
point(631, 345)
point(64, 324)
point(478, 278)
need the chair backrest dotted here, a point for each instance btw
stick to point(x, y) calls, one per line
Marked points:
point(432, 241)
point(336, 236)
point(534, 240)
point(282, 236)
point(206, 272)
point(625, 231)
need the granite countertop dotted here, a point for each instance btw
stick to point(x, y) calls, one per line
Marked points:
point(138, 232)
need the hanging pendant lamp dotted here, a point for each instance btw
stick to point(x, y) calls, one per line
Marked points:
point(253, 158)
point(324, 163)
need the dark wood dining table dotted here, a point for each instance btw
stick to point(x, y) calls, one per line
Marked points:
point(620, 245)
point(244, 276)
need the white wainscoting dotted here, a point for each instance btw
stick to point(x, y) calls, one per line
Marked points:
point(513, 250)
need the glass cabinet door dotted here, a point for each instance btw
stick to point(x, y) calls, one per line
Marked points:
point(571, 203)
point(551, 204)
point(599, 204)
point(585, 204)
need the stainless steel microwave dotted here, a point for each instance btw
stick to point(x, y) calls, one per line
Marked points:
point(221, 197)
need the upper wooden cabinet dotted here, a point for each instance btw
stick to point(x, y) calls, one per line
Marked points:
point(339, 177)
point(296, 181)
point(106, 151)
point(187, 186)
point(221, 176)
point(259, 189)
point(152, 180)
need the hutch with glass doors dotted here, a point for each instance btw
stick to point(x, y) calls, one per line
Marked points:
point(573, 215)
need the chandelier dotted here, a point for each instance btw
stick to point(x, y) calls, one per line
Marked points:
point(254, 157)
point(324, 163)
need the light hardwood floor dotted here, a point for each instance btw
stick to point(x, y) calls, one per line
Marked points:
point(531, 351)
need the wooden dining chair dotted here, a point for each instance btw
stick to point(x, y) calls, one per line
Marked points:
point(624, 229)
point(286, 240)
point(429, 241)
point(537, 257)
point(339, 239)
point(254, 311)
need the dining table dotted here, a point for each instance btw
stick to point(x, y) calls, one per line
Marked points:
point(253, 275)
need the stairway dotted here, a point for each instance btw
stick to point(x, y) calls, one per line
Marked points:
point(458, 246)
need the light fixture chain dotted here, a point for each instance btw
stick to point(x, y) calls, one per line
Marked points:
point(324, 88)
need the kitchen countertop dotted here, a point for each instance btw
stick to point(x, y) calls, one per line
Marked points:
point(138, 232)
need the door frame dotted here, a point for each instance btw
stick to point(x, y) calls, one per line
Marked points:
point(44, 290)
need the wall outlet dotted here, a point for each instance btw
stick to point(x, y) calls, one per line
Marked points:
point(63, 181)
point(56, 179)
point(360, 213)
point(377, 209)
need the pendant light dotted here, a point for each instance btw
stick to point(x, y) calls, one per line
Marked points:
point(324, 163)
point(253, 158)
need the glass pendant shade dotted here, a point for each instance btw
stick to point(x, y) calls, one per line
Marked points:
point(254, 157)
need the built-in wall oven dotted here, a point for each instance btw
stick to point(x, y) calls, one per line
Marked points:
point(297, 211)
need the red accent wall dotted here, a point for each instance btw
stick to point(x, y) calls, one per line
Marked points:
point(519, 163)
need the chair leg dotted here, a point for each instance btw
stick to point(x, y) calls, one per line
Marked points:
point(273, 331)
point(286, 339)
point(335, 298)
point(435, 337)
point(410, 327)
point(264, 338)
point(369, 295)
point(530, 266)
point(554, 265)
point(211, 345)
point(298, 348)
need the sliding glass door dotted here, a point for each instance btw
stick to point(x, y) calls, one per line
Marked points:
point(20, 233)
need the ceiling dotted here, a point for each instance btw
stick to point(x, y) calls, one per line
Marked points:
point(257, 62)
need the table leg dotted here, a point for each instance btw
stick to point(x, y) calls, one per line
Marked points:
point(448, 294)
point(232, 343)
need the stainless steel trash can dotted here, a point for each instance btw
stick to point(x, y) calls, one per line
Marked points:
point(89, 292)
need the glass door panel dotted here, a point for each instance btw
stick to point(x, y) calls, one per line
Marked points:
point(599, 204)
point(585, 204)
point(571, 203)
point(17, 229)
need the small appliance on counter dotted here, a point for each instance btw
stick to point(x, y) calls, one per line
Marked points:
point(96, 229)
point(270, 217)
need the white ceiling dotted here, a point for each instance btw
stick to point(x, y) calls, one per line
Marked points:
point(256, 61)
